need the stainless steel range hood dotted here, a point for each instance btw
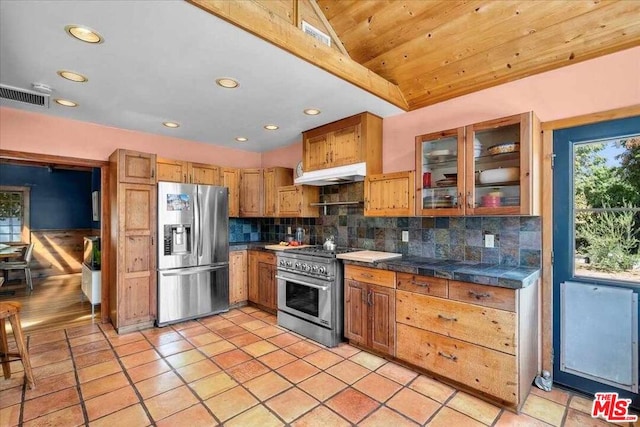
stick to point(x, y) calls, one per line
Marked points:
point(332, 176)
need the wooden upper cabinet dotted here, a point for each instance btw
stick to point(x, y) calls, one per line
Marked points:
point(251, 193)
point(273, 179)
point(351, 140)
point(187, 172)
point(201, 173)
point(295, 201)
point(390, 194)
point(172, 170)
point(458, 170)
point(135, 167)
point(230, 178)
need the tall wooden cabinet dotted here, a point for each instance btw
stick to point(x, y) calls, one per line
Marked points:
point(370, 308)
point(238, 291)
point(132, 295)
point(351, 140)
point(262, 279)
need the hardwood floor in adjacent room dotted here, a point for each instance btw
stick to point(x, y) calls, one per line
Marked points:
point(54, 304)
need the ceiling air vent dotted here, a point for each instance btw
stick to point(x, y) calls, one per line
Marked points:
point(24, 95)
point(316, 33)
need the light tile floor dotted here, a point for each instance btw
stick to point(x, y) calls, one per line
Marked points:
point(240, 369)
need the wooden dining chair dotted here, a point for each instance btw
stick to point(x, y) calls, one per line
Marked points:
point(22, 264)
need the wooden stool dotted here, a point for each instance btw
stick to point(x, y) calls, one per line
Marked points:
point(11, 310)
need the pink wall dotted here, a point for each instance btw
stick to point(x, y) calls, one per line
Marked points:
point(287, 157)
point(39, 133)
point(592, 86)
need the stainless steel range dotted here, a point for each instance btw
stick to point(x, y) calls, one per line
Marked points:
point(310, 293)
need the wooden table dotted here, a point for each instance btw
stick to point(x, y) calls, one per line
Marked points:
point(8, 254)
point(11, 252)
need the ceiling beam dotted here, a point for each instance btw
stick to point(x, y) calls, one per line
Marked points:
point(257, 20)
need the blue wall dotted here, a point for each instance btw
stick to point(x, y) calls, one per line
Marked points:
point(60, 199)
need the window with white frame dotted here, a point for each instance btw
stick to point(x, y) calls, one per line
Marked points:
point(14, 214)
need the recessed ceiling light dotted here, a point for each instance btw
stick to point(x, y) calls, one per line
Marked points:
point(227, 83)
point(271, 127)
point(66, 103)
point(171, 124)
point(74, 77)
point(241, 139)
point(312, 111)
point(84, 33)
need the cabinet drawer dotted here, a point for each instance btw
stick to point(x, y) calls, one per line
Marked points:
point(423, 284)
point(482, 369)
point(472, 323)
point(489, 296)
point(371, 275)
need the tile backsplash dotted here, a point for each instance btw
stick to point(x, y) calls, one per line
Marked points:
point(517, 238)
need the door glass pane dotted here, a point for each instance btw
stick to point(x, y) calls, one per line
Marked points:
point(440, 173)
point(606, 183)
point(497, 166)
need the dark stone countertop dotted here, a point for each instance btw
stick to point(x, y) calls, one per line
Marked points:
point(464, 271)
point(254, 246)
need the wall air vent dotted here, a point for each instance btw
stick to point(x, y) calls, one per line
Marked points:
point(316, 33)
point(24, 95)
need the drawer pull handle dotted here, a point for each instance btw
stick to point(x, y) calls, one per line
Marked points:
point(423, 284)
point(479, 295)
point(452, 319)
point(367, 275)
point(448, 356)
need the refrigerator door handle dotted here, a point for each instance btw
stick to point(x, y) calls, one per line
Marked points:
point(195, 270)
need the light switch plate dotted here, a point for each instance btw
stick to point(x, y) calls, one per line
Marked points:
point(288, 230)
point(489, 241)
point(405, 236)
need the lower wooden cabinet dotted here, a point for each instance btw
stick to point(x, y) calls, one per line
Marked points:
point(238, 290)
point(262, 279)
point(370, 308)
point(482, 337)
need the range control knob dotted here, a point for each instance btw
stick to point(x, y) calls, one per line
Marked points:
point(322, 270)
point(306, 267)
point(298, 266)
point(314, 268)
point(282, 262)
point(289, 263)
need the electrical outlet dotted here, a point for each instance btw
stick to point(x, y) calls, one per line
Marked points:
point(288, 230)
point(405, 236)
point(489, 241)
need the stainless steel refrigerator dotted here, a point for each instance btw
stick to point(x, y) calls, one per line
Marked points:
point(193, 254)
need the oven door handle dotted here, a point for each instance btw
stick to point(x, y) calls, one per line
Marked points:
point(322, 288)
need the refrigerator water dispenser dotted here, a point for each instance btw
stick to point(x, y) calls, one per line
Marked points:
point(177, 239)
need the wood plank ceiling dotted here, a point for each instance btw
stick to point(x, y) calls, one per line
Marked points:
point(428, 51)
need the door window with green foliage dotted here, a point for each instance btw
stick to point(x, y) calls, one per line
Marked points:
point(606, 184)
point(14, 214)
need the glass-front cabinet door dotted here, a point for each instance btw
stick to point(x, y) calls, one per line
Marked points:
point(500, 163)
point(440, 177)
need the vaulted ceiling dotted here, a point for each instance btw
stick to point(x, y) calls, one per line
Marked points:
point(434, 50)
